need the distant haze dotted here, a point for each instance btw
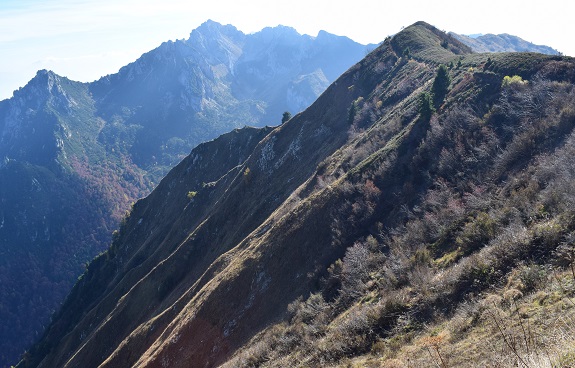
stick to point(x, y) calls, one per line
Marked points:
point(86, 39)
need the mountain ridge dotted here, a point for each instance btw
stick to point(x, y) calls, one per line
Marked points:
point(319, 243)
point(87, 151)
point(502, 43)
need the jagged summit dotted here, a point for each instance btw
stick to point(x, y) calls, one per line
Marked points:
point(279, 31)
point(24, 124)
point(43, 78)
point(212, 25)
point(45, 72)
point(212, 29)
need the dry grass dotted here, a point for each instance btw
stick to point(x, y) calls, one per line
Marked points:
point(503, 328)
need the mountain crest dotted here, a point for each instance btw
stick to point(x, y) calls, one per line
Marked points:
point(426, 42)
point(212, 29)
point(279, 30)
point(44, 83)
point(325, 35)
point(502, 43)
point(29, 108)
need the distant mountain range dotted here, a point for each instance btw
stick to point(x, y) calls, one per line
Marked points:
point(74, 156)
point(420, 213)
point(502, 43)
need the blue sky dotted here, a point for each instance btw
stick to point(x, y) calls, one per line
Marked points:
point(86, 39)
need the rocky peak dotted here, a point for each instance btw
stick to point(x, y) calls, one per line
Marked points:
point(217, 43)
point(44, 85)
point(279, 43)
point(326, 36)
point(211, 28)
point(45, 90)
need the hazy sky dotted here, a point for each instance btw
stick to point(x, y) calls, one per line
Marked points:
point(86, 39)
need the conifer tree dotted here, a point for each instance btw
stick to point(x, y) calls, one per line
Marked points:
point(286, 116)
point(440, 85)
point(426, 106)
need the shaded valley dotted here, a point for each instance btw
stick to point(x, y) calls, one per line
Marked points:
point(75, 156)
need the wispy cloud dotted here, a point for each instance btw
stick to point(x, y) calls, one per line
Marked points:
point(31, 19)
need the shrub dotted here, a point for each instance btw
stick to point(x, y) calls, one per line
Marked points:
point(565, 253)
point(247, 175)
point(307, 311)
point(441, 84)
point(532, 276)
point(477, 232)
point(286, 116)
point(407, 53)
point(507, 80)
point(355, 272)
point(426, 108)
point(353, 110)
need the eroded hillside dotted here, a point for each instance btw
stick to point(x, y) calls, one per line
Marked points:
point(422, 179)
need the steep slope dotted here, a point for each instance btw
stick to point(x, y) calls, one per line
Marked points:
point(502, 43)
point(60, 198)
point(390, 206)
point(76, 155)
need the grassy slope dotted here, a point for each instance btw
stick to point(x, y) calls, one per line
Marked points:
point(466, 231)
point(525, 321)
point(392, 221)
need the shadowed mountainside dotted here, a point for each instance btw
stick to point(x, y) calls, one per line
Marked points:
point(76, 155)
point(404, 192)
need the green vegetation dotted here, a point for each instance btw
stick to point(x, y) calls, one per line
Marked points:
point(426, 107)
point(507, 80)
point(440, 85)
point(286, 116)
point(406, 53)
point(353, 110)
